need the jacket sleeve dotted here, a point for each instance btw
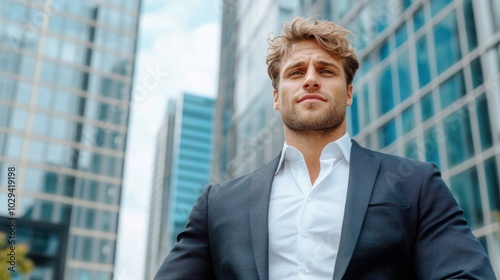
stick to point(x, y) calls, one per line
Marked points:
point(190, 258)
point(446, 247)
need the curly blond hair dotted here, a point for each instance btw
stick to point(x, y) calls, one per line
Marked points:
point(329, 36)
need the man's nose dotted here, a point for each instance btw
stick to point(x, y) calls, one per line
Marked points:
point(311, 81)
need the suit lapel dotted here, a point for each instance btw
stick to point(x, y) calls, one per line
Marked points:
point(363, 171)
point(259, 196)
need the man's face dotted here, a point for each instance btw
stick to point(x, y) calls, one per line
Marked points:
point(312, 93)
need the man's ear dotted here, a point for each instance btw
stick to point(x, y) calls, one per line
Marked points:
point(349, 95)
point(275, 99)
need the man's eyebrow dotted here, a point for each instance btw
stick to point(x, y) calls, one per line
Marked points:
point(296, 64)
point(328, 63)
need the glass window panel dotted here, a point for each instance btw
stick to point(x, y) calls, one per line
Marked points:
point(65, 76)
point(447, 44)
point(367, 108)
point(476, 72)
point(86, 249)
point(48, 72)
point(465, 187)
point(485, 134)
point(18, 119)
point(431, 146)
point(36, 151)
point(424, 73)
point(354, 116)
point(32, 179)
point(89, 221)
point(385, 90)
point(51, 181)
point(61, 101)
point(44, 98)
point(491, 171)
point(52, 47)
point(458, 135)
point(56, 153)
point(408, 120)
point(404, 75)
point(27, 66)
point(14, 146)
point(452, 89)
point(427, 106)
point(57, 127)
point(387, 134)
point(23, 92)
point(68, 52)
point(46, 211)
point(55, 23)
point(470, 25)
point(384, 50)
point(438, 5)
point(111, 194)
point(401, 35)
point(105, 221)
point(40, 123)
point(418, 19)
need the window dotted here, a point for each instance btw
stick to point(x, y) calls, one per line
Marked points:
point(401, 35)
point(418, 19)
point(411, 149)
point(385, 90)
point(44, 98)
point(14, 146)
point(23, 92)
point(36, 151)
point(465, 187)
point(447, 42)
point(483, 118)
point(491, 170)
point(387, 134)
point(408, 120)
point(405, 88)
point(40, 123)
point(470, 25)
point(27, 66)
point(458, 135)
point(354, 116)
point(18, 119)
point(424, 73)
point(477, 72)
point(431, 146)
point(452, 89)
point(46, 211)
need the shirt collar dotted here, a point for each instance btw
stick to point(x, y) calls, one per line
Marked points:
point(292, 153)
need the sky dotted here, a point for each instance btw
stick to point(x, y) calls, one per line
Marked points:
point(178, 51)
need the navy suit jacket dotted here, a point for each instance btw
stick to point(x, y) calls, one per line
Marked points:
point(401, 222)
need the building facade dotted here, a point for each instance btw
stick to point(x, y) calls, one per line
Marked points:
point(158, 229)
point(65, 92)
point(428, 88)
point(183, 168)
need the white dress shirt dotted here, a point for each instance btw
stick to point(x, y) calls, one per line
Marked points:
point(305, 221)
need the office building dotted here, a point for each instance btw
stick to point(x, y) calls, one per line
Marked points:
point(65, 92)
point(428, 88)
point(183, 168)
point(158, 230)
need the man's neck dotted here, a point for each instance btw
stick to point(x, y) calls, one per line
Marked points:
point(311, 145)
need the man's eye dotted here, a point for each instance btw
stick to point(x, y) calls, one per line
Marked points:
point(295, 73)
point(326, 71)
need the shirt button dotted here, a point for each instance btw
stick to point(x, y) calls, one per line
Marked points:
point(306, 271)
point(305, 234)
point(309, 199)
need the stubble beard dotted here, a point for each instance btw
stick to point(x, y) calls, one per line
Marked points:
point(321, 124)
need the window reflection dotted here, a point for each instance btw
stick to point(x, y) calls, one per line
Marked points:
point(387, 134)
point(465, 187)
point(385, 90)
point(458, 134)
point(452, 89)
point(431, 145)
point(447, 43)
point(424, 73)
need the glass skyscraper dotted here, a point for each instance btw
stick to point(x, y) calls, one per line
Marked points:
point(65, 90)
point(183, 168)
point(428, 88)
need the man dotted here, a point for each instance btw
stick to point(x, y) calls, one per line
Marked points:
point(325, 208)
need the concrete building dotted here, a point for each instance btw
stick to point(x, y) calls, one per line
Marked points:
point(65, 90)
point(428, 88)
